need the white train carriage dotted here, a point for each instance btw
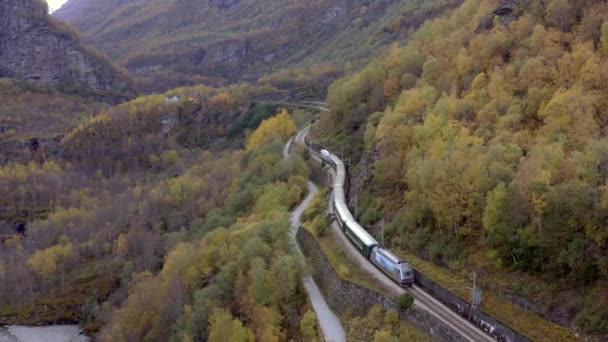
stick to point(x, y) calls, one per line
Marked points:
point(360, 237)
point(340, 209)
point(340, 171)
point(385, 260)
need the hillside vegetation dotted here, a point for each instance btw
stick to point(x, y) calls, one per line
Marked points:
point(33, 118)
point(177, 42)
point(486, 134)
point(477, 140)
point(34, 110)
point(159, 220)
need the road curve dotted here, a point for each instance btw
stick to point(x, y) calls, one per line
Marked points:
point(423, 300)
point(330, 324)
point(322, 106)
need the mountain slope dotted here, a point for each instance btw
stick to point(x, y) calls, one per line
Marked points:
point(484, 139)
point(189, 41)
point(34, 47)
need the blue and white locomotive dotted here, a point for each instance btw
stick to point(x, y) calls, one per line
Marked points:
point(385, 260)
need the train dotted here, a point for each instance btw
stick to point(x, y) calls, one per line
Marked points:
point(389, 263)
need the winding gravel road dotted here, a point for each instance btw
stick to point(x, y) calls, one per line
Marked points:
point(330, 324)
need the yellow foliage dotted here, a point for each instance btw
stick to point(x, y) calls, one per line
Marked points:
point(280, 125)
point(122, 245)
point(221, 100)
point(178, 261)
point(224, 328)
point(44, 262)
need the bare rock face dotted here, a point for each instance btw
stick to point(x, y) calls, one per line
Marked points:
point(34, 47)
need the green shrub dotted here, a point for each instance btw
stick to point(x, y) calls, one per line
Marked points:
point(593, 320)
point(320, 225)
point(405, 301)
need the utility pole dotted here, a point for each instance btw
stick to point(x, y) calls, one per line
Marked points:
point(475, 296)
point(474, 281)
point(355, 206)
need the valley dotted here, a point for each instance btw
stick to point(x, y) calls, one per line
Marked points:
point(153, 172)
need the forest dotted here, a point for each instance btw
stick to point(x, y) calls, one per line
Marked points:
point(486, 134)
point(181, 197)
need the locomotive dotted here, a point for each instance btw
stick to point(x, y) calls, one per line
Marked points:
point(393, 266)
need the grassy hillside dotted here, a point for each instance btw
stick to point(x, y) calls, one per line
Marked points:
point(215, 42)
point(486, 137)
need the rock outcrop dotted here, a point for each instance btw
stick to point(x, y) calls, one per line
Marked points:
point(35, 47)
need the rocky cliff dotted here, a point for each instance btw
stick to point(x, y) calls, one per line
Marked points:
point(35, 47)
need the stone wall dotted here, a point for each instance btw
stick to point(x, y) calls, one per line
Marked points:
point(487, 323)
point(344, 296)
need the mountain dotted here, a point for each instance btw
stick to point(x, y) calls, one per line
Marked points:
point(178, 42)
point(475, 131)
point(484, 140)
point(35, 47)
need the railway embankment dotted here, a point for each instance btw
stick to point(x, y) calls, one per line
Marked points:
point(344, 296)
point(481, 319)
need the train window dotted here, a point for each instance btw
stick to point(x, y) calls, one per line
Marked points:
point(387, 264)
point(405, 270)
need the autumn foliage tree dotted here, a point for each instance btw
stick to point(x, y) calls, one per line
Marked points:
point(489, 151)
point(280, 126)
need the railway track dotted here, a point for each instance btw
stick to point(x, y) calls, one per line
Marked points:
point(464, 328)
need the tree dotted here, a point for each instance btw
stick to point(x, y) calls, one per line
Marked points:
point(308, 326)
point(560, 14)
point(260, 287)
point(391, 320)
point(223, 328)
point(405, 301)
point(286, 282)
point(566, 107)
point(44, 262)
point(266, 324)
point(499, 225)
point(280, 126)
point(374, 317)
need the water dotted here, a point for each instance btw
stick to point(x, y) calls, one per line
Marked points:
point(53, 333)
